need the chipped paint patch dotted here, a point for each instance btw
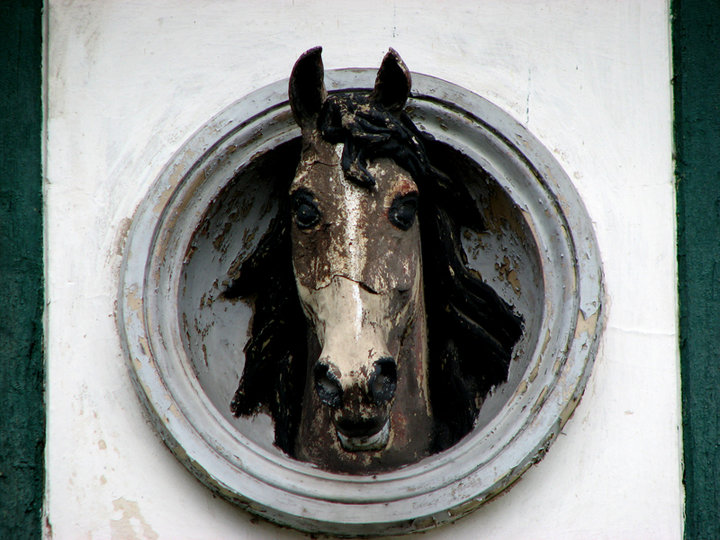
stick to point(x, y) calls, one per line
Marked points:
point(131, 524)
point(586, 325)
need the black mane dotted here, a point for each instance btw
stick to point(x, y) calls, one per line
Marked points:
point(472, 331)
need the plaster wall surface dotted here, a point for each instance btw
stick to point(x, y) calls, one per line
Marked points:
point(128, 82)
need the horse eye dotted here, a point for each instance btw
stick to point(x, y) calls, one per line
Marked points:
point(403, 209)
point(305, 209)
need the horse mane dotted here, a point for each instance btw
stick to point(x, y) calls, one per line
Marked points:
point(471, 330)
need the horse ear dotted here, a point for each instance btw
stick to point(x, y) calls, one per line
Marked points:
point(307, 87)
point(392, 85)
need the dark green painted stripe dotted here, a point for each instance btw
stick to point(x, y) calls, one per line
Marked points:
point(696, 62)
point(22, 415)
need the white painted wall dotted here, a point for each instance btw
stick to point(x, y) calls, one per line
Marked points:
point(128, 82)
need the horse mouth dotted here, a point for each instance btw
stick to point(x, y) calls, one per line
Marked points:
point(374, 441)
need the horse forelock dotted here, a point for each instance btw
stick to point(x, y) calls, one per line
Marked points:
point(368, 131)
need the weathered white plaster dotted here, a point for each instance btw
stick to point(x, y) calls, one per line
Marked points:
point(129, 82)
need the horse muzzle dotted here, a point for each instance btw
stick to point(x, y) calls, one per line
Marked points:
point(360, 412)
point(356, 373)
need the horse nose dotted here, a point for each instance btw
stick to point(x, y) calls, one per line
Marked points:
point(383, 380)
point(381, 383)
point(327, 386)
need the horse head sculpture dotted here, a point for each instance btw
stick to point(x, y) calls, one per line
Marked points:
point(341, 351)
point(357, 260)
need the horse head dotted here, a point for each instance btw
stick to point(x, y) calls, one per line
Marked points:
point(361, 369)
point(356, 256)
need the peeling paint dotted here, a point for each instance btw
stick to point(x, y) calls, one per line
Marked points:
point(586, 325)
point(132, 524)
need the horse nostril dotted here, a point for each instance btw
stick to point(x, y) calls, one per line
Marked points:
point(327, 386)
point(383, 381)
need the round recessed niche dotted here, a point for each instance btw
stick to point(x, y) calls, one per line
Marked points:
point(207, 211)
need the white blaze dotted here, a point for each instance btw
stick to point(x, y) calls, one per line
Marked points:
point(355, 241)
point(350, 324)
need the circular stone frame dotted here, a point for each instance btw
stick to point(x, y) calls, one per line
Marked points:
point(444, 486)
